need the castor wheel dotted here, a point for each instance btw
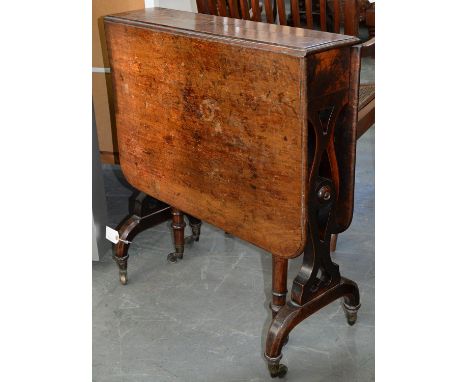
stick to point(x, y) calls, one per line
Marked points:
point(121, 262)
point(277, 370)
point(174, 257)
point(123, 277)
point(351, 318)
point(351, 313)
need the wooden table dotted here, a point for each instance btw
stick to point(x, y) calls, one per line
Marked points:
point(250, 127)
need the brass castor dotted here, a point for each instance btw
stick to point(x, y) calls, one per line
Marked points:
point(123, 277)
point(277, 370)
point(122, 264)
point(351, 313)
point(174, 257)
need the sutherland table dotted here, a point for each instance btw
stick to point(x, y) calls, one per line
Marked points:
point(250, 127)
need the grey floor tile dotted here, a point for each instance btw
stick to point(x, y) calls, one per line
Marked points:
point(205, 318)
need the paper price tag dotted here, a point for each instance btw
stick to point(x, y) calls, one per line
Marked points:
point(112, 235)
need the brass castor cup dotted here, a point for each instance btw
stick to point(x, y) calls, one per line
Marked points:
point(122, 264)
point(174, 257)
point(123, 277)
point(351, 313)
point(276, 368)
point(279, 370)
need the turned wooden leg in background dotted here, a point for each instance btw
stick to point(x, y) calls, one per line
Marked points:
point(178, 227)
point(145, 212)
point(195, 225)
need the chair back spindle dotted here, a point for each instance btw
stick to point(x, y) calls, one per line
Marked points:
point(282, 12)
point(336, 16)
point(325, 15)
point(296, 17)
point(222, 9)
point(351, 17)
point(201, 6)
point(234, 9)
point(244, 9)
point(309, 18)
point(269, 12)
point(256, 16)
point(212, 7)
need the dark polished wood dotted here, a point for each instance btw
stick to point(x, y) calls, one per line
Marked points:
point(292, 314)
point(178, 227)
point(145, 212)
point(230, 109)
point(204, 126)
point(329, 15)
point(279, 289)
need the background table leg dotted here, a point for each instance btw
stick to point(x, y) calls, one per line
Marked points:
point(178, 227)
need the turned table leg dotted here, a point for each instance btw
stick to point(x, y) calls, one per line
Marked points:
point(279, 288)
point(279, 292)
point(178, 227)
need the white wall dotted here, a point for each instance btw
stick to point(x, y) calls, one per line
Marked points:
point(181, 5)
point(100, 244)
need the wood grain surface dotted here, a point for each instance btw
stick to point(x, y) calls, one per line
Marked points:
point(216, 128)
point(213, 130)
point(278, 38)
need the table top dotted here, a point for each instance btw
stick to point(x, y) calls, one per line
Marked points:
point(289, 40)
point(221, 131)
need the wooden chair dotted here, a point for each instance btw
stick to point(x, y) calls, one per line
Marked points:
point(336, 16)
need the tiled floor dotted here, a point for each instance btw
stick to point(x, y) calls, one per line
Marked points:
point(205, 318)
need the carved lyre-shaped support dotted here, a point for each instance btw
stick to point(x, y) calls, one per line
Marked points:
point(318, 282)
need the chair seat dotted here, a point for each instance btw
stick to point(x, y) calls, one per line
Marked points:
point(366, 108)
point(366, 94)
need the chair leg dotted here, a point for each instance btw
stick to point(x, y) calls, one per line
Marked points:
point(145, 212)
point(333, 240)
point(178, 227)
